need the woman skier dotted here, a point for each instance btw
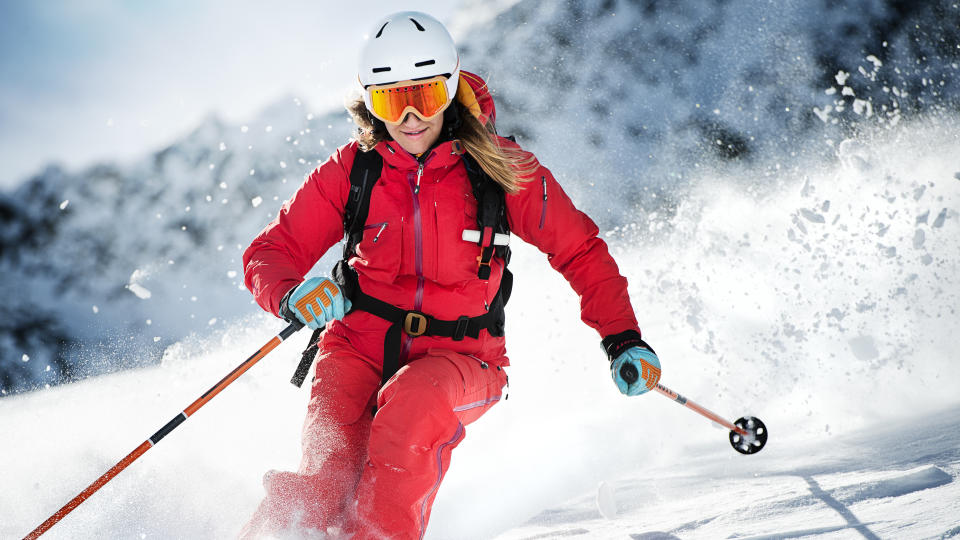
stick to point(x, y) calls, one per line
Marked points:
point(413, 348)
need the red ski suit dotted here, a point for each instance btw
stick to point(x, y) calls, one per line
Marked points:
point(390, 464)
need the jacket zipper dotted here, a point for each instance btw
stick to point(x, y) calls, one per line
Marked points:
point(543, 212)
point(418, 250)
point(416, 190)
point(436, 234)
point(418, 237)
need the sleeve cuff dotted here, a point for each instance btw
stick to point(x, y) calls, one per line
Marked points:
point(615, 344)
point(285, 312)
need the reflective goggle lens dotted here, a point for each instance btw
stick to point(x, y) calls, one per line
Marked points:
point(428, 98)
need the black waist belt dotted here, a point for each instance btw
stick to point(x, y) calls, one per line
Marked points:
point(413, 323)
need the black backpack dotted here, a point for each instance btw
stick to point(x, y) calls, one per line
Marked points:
point(491, 220)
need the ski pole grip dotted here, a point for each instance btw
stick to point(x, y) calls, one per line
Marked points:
point(291, 329)
point(629, 373)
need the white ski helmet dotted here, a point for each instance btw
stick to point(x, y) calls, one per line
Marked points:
point(408, 45)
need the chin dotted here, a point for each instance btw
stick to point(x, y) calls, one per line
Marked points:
point(419, 146)
point(413, 148)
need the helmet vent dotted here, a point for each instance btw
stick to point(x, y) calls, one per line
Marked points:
point(380, 32)
point(381, 69)
point(425, 63)
point(414, 21)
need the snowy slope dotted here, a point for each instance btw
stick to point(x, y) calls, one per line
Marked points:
point(834, 323)
point(895, 481)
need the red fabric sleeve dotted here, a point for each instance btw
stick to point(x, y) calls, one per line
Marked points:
point(543, 215)
point(308, 224)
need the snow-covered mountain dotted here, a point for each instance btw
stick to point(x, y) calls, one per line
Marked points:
point(625, 96)
point(105, 267)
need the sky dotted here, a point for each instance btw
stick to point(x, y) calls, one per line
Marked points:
point(83, 81)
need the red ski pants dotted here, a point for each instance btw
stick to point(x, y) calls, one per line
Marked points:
point(376, 475)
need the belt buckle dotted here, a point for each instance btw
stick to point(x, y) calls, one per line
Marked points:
point(414, 323)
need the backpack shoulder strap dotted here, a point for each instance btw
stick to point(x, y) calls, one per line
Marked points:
point(363, 175)
point(491, 214)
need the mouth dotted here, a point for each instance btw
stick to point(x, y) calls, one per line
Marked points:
point(414, 133)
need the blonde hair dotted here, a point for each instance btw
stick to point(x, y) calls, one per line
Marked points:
point(509, 167)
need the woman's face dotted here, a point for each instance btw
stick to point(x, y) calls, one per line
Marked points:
point(415, 135)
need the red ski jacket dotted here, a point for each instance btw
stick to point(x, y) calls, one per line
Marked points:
point(412, 254)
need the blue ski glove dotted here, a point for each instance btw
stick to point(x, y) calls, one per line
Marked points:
point(636, 371)
point(633, 364)
point(315, 302)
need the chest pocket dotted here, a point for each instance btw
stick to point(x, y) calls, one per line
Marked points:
point(456, 211)
point(380, 251)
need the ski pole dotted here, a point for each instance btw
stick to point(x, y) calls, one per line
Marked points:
point(748, 435)
point(164, 431)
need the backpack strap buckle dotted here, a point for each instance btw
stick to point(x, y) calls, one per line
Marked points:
point(483, 263)
point(461, 329)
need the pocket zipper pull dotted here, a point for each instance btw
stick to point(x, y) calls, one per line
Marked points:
point(377, 237)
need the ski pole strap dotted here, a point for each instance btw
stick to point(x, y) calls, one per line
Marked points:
point(309, 354)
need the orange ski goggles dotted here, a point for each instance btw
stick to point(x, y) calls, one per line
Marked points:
point(426, 98)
